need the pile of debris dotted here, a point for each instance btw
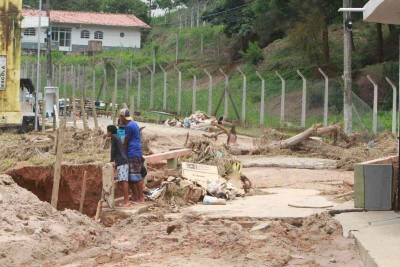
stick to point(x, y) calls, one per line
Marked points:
point(80, 147)
point(206, 151)
point(214, 178)
point(197, 120)
point(328, 143)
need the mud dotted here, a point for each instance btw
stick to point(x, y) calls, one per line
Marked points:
point(32, 233)
point(39, 180)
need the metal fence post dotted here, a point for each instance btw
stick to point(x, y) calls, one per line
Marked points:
point(65, 83)
point(244, 96)
point(105, 84)
point(375, 106)
point(94, 111)
point(177, 48)
point(78, 78)
point(73, 95)
point(210, 91)
point(59, 75)
point(394, 105)
point(194, 92)
point(139, 88)
point(24, 73)
point(179, 90)
point(326, 96)
point(262, 108)
point(114, 97)
point(303, 100)
point(165, 89)
point(53, 71)
point(151, 87)
point(201, 45)
point(83, 112)
point(33, 74)
point(282, 119)
point(127, 86)
point(65, 91)
point(226, 93)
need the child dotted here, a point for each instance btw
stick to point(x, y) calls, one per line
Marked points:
point(121, 131)
point(120, 160)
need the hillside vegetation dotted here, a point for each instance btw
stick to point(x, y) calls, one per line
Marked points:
point(249, 35)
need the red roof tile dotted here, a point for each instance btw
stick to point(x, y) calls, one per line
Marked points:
point(90, 18)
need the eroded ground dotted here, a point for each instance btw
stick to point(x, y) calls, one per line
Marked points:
point(32, 233)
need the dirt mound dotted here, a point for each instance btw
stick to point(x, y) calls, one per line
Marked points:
point(32, 232)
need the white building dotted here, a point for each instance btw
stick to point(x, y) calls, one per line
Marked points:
point(72, 30)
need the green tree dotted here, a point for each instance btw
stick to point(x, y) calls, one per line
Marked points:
point(135, 7)
point(323, 13)
point(77, 5)
point(253, 54)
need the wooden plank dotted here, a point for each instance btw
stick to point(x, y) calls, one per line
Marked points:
point(167, 155)
point(98, 210)
point(83, 192)
point(57, 165)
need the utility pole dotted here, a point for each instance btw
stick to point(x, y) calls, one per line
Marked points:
point(49, 73)
point(38, 69)
point(347, 100)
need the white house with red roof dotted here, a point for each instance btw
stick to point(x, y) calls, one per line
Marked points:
point(73, 30)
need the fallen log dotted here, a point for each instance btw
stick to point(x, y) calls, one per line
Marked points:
point(335, 130)
point(295, 140)
point(315, 130)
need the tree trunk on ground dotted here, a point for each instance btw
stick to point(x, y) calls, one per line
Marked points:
point(379, 42)
point(315, 130)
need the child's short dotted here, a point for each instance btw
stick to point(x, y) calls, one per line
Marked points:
point(123, 172)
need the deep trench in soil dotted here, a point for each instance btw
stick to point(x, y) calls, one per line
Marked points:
point(39, 180)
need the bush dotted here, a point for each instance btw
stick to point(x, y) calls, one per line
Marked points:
point(253, 54)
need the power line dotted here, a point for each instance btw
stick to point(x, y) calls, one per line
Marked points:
point(209, 15)
point(213, 14)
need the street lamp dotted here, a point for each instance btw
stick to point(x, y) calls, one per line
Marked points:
point(38, 68)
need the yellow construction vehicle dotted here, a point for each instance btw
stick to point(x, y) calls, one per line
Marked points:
point(10, 61)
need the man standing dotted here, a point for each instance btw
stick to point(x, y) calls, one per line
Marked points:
point(133, 148)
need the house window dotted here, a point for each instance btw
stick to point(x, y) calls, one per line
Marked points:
point(61, 35)
point(122, 34)
point(98, 35)
point(85, 34)
point(30, 32)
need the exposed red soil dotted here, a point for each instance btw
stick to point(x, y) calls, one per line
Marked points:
point(39, 180)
